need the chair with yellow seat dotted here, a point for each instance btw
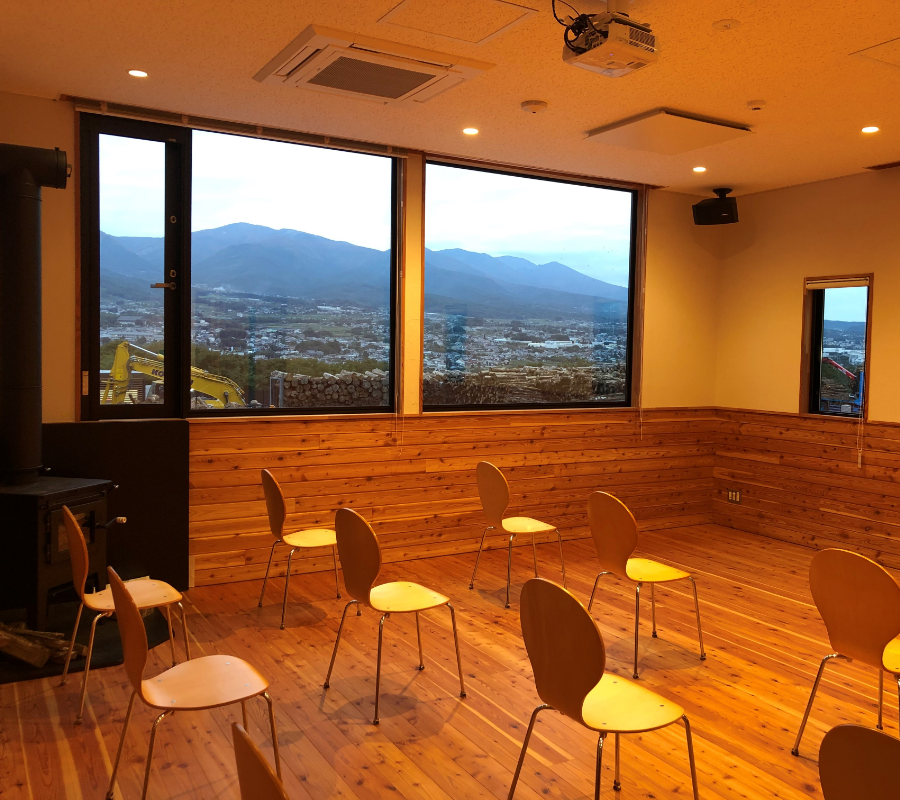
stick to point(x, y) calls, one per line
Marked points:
point(146, 593)
point(859, 602)
point(202, 683)
point(493, 490)
point(361, 560)
point(568, 658)
point(615, 534)
point(857, 763)
point(277, 509)
point(257, 780)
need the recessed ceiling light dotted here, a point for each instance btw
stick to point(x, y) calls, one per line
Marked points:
point(870, 129)
point(699, 169)
point(470, 131)
point(137, 73)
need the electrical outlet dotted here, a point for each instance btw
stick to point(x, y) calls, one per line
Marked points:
point(734, 496)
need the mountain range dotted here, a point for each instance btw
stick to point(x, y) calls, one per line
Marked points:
point(258, 260)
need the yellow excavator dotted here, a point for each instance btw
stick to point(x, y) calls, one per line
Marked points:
point(216, 391)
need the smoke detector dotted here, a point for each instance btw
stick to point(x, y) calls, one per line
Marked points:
point(533, 106)
point(348, 64)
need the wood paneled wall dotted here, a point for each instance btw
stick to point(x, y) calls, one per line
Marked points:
point(802, 480)
point(414, 479)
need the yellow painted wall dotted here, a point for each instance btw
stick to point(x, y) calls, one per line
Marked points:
point(835, 227)
point(36, 122)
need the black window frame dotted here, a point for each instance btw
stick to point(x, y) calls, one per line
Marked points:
point(177, 327)
point(813, 344)
point(636, 211)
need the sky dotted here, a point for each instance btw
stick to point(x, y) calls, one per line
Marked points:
point(847, 304)
point(347, 197)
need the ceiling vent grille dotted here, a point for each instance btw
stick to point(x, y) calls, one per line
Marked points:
point(343, 63)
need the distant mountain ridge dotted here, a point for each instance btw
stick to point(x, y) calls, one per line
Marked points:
point(255, 259)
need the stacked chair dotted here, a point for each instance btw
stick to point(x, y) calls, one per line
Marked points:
point(145, 593)
point(277, 508)
point(614, 530)
point(494, 493)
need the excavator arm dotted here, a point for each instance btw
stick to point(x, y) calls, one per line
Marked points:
point(220, 389)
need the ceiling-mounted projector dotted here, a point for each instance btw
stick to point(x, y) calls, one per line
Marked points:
point(610, 44)
point(719, 210)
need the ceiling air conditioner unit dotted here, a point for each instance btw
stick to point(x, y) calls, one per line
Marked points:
point(348, 64)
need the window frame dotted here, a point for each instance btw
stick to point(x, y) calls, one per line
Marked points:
point(812, 332)
point(636, 258)
point(178, 323)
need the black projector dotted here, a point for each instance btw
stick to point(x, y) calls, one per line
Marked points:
point(720, 210)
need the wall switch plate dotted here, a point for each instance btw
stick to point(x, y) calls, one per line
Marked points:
point(734, 496)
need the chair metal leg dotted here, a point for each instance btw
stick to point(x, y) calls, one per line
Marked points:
point(594, 590)
point(156, 722)
point(697, 610)
point(653, 608)
point(478, 557)
point(71, 645)
point(87, 667)
point(274, 734)
point(599, 765)
point(462, 683)
point(171, 634)
point(184, 630)
point(337, 642)
point(637, 624)
point(337, 584)
point(378, 668)
point(690, 746)
point(244, 714)
point(115, 769)
point(812, 696)
point(266, 579)
point(419, 637)
point(562, 558)
point(287, 582)
point(534, 554)
point(509, 569)
point(515, 780)
point(617, 784)
point(880, 724)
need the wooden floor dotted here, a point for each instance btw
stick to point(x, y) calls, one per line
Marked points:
point(764, 641)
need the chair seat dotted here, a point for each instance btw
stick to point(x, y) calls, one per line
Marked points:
point(205, 682)
point(643, 570)
point(526, 525)
point(146, 594)
point(400, 596)
point(619, 706)
point(314, 537)
point(891, 658)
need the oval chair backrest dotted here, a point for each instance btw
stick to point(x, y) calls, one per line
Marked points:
point(78, 552)
point(614, 530)
point(258, 781)
point(859, 602)
point(493, 491)
point(275, 504)
point(857, 763)
point(564, 645)
point(359, 551)
point(131, 631)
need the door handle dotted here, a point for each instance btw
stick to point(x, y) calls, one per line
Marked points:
point(163, 285)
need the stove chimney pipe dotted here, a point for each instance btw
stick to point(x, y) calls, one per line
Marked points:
point(23, 171)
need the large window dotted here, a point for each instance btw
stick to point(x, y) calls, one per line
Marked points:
point(528, 290)
point(837, 324)
point(286, 299)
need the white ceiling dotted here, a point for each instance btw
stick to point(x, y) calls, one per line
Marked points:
point(794, 54)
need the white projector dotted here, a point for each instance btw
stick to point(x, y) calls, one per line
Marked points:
point(613, 48)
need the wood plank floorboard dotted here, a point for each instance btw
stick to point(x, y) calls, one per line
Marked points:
point(763, 636)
